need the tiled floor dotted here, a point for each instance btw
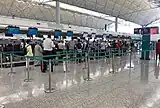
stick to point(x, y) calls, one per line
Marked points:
point(138, 87)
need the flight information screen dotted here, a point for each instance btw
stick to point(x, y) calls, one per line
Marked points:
point(13, 30)
point(154, 30)
point(57, 33)
point(32, 31)
point(147, 30)
point(69, 33)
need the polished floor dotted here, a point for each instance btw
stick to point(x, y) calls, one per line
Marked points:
point(138, 87)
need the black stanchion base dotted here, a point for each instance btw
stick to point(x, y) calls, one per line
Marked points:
point(85, 68)
point(12, 73)
point(66, 71)
point(88, 79)
point(111, 71)
point(130, 67)
point(28, 80)
point(49, 91)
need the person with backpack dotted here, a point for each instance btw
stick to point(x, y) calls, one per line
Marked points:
point(79, 50)
point(28, 51)
point(38, 51)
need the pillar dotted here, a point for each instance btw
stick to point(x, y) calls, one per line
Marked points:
point(57, 12)
point(116, 24)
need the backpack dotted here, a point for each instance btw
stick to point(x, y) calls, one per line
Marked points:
point(25, 50)
point(79, 45)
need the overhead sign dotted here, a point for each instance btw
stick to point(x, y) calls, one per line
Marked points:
point(70, 33)
point(32, 31)
point(13, 30)
point(147, 30)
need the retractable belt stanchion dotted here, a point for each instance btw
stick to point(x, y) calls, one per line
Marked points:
point(122, 53)
point(65, 63)
point(109, 55)
point(85, 64)
point(105, 58)
point(11, 64)
point(130, 60)
point(145, 55)
point(88, 71)
point(154, 55)
point(49, 89)
point(1, 60)
point(112, 57)
point(28, 79)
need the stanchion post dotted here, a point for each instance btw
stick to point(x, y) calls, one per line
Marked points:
point(112, 57)
point(109, 55)
point(1, 60)
point(65, 64)
point(28, 79)
point(130, 60)
point(105, 58)
point(11, 64)
point(50, 89)
point(154, 55)
point(85, 65)
point(122, 52)
point(88, 71)
point(144, 55)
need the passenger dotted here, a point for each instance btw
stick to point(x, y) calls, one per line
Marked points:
point(61, 46)
point(79, 50)
point(71, 45)
point(103, 48)
point(158, 49)
point(29, 53)
point(47, 50)
point(38, 51)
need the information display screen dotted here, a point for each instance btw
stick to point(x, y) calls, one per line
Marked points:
point(13, 30)
point(70, 33)
point(57, 33)
point(154, 30)
point(147, 30)
point(138, 31)
point(32, 31)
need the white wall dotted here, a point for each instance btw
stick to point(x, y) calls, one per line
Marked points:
point(43, 25)
point(48, 26)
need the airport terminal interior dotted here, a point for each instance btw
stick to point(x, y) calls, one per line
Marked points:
point(79, 54)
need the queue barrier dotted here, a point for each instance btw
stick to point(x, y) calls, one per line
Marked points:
point(88, 56)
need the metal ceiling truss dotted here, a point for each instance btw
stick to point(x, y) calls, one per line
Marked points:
point(39, 11)
point(130, 10)
point(127, 9)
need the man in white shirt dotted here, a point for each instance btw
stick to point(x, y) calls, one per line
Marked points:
point(48, 46)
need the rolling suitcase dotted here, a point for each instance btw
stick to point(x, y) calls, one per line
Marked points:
point(42, 67)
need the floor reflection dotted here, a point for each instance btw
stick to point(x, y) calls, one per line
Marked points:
point(144, 70)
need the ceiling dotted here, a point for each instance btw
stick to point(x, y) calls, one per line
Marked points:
point(141, 12)
point(32, 10)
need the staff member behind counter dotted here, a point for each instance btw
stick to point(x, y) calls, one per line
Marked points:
point(48, 47)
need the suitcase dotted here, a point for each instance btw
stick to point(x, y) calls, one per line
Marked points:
point(42, 67)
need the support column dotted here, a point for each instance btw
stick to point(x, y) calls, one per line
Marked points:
point(57, 12)
point(116, 24)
